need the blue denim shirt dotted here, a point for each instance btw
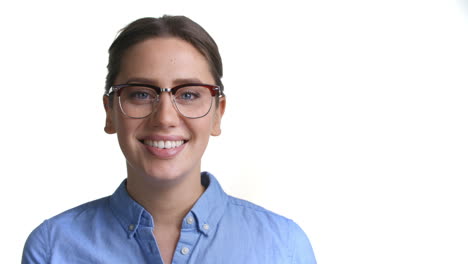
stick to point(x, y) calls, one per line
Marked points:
point(219, 229)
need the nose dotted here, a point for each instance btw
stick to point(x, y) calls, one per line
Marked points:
point(165, 114)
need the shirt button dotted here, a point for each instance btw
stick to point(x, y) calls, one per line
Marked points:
point(206, 226)
point(131, 227)
point(185, 250)
point(190, 220)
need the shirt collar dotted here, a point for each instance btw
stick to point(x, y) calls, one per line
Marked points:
point(129, 213)
point(210, 207)
point(207, 211)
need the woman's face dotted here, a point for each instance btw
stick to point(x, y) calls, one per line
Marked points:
point(163, 62)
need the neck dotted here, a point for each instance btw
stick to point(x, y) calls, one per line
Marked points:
point(167, 201)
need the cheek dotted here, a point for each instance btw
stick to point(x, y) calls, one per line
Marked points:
point(125, 129)
point(123, 133)
point(202, 130)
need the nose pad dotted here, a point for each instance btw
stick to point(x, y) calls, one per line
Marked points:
point(165, 113)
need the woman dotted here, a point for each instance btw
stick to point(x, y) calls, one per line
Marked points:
point(164, 98)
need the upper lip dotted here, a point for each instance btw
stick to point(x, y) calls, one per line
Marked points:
point(163, 138)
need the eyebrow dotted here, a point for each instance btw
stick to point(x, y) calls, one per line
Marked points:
point(155, 82)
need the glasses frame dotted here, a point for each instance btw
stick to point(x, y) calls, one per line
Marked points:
point(117, 89)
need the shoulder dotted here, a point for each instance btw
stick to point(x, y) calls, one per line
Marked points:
point(254, 211)
point(79, 216)
point(254, 219)
point(39, 243)
point(86, 210)
point(301, 249)
point(270, 226)
point(37, 248)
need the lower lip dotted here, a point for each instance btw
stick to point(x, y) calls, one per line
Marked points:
point(164, 153)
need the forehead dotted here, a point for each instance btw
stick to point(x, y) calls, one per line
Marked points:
point(164, 59)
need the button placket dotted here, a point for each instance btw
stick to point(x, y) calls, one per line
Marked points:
point(189, 237)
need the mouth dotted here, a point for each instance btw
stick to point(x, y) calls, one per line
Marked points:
point(163, 144)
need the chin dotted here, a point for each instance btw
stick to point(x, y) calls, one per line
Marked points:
point(149, 169)
point(165, 174)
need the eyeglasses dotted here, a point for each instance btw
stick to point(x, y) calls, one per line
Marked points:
point(192, 100)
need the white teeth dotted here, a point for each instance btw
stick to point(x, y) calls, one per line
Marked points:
point(160, 144)
point(163, 144)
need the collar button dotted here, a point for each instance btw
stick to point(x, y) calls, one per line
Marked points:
point(189, 220)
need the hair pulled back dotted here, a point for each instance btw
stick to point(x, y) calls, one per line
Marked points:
point(165, 26)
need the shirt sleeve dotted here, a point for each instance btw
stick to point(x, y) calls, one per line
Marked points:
point(36, 247)
point(301, 248)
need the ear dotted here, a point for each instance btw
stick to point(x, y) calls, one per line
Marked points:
point(109, 126)
point(216, 128)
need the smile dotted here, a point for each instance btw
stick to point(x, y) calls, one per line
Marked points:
point(163, 144)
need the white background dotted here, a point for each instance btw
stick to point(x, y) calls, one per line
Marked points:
point(349, 117)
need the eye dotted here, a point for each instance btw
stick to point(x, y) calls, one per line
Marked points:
point(192, 95)
point(139, 95)
point(188, 95)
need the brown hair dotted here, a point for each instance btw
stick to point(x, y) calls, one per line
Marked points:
point(165, 26)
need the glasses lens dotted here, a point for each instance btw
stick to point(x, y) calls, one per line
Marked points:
point(137, 101)
point(193, 101)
